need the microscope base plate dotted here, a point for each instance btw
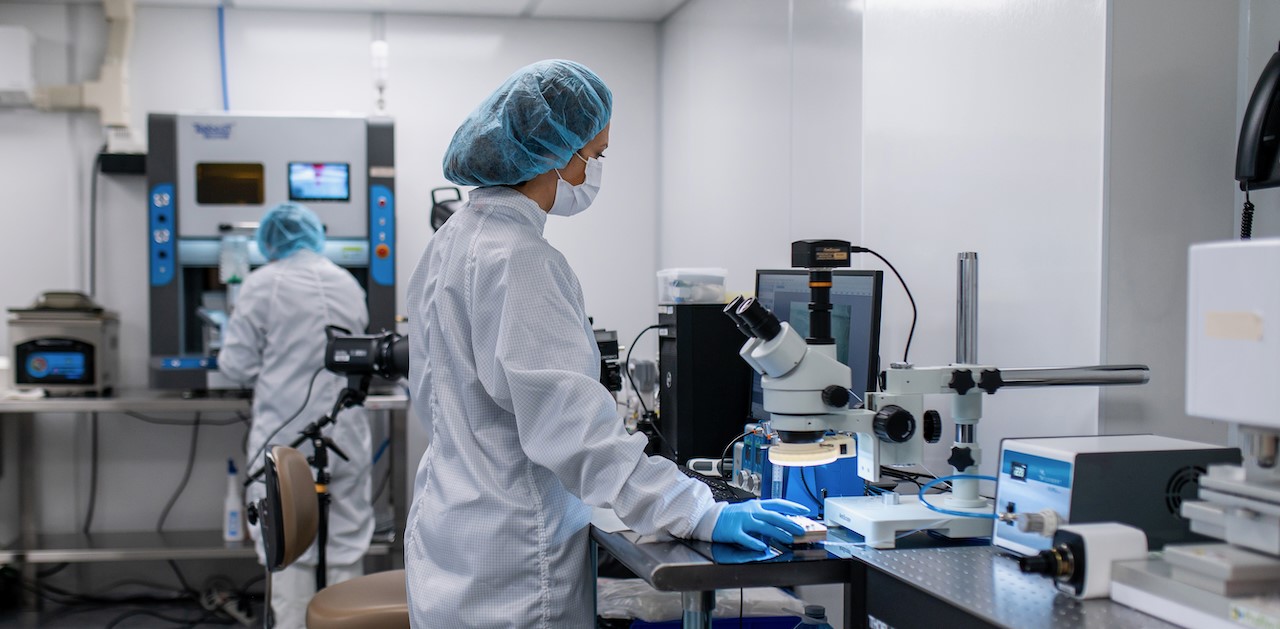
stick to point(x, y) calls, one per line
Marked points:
point(881, 524)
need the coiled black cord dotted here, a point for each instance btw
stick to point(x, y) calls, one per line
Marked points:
point(1246, 218)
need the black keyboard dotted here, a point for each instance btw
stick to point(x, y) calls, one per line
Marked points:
point(721, 491)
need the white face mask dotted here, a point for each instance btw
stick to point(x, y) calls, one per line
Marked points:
point(571, 199)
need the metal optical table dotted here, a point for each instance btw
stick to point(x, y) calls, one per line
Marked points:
point(919, 584)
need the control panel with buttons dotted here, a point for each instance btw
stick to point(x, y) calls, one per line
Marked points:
point(163, 258)
point(382, 235)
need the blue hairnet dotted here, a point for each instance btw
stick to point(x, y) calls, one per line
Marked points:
point(531, 124)
point(288, 228)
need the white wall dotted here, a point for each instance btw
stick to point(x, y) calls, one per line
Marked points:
point(1171, 158)
point(983, 126)
point(440, 69)
point(726, 143)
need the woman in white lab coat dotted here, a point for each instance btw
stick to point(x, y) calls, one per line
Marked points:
point(505, 376)
point(275, 340)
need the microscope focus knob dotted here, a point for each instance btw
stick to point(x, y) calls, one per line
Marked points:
point(894, 424)
point(961, 459)
point(932, 426)
point(835, 395)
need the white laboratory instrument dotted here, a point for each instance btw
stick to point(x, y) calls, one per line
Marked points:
point(1233, 365)
point(1081, 556)
point(806, 393)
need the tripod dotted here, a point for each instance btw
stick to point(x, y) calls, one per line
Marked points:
point(354, 394)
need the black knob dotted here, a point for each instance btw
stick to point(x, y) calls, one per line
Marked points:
point(961, 459)
point(893, 424)
point(836, 396)
point(962, 381)
point(991, 381)
point(932, 426)
point(251, 513)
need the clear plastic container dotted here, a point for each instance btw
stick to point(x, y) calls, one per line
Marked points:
point(691, 286)
point(233, 259)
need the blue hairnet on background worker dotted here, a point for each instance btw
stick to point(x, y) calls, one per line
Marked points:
point(275, 340)
point(505, 372)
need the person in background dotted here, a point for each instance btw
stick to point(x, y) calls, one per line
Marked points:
point(275, 341)
point(505, 375)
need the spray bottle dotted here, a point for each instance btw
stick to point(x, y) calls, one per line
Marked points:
point(233, 507)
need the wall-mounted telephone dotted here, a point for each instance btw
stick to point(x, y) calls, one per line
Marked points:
point(1257, 166)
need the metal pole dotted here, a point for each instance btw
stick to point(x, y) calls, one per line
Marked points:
point(28, 503)
point(966, 409)
point(698, 607)
point(1099, 375)
point(967, 308)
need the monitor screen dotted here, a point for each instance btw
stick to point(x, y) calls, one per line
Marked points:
point(229, 184)
point(319, 182)
point(59, 366)
point(855, 321)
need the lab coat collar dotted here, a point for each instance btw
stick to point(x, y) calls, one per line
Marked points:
point(514, 203)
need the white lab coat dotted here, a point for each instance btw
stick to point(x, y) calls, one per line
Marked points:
point(275, 339)
point(505, 375)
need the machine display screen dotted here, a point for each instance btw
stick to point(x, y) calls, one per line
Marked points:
point(855, 321)
point(229, 184)
point(319, 182)
point(61, 366)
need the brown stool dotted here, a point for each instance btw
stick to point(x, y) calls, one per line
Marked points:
point(288, 517)
point(374, 601)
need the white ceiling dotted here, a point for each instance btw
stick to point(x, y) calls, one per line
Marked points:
point(625, 10)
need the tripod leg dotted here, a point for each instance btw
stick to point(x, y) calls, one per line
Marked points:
point(268, 619)
point(322, 538)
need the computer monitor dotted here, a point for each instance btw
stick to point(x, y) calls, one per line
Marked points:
point(855, 321)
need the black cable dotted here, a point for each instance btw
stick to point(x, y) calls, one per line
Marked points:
point(99, 598)
point(244, 589)
point(93, 222)
point(182, 579)
point(725, 453)
point(632, 379)
point(906, 353)
point(48, 572)
point(382, 486)
point(65, 597)
point(804, 481)
point(115, 622)
point(648, 418)
point(249, 462)
point(93, 475)
point(741, 603)
point(910, 477)
point(186, 476)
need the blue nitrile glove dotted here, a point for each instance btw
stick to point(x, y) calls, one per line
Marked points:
point(744, 523)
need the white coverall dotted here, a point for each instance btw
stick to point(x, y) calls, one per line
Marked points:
point(275, 339)
point(505, 375)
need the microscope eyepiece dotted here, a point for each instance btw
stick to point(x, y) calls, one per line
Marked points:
point(762, 323)
point(731, 311)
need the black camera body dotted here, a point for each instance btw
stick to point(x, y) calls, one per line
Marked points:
point(385, 355)
point(610, 370)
